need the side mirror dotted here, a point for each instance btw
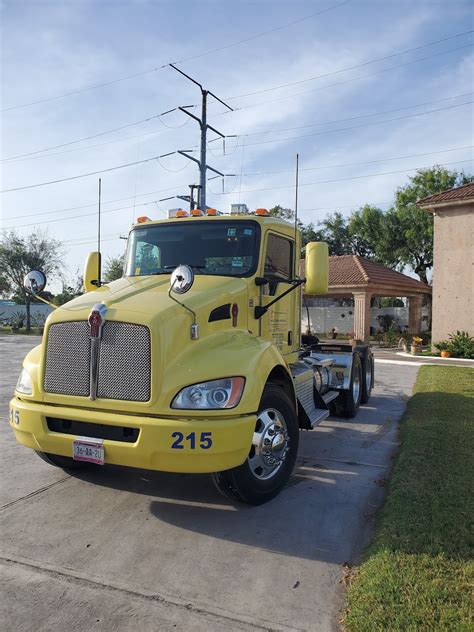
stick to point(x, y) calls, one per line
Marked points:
point(182, 279)
point(34, 282)
point(316, 268)
point(92, 271)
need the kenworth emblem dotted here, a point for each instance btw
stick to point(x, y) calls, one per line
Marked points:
point(96, 319)
point(96, 322)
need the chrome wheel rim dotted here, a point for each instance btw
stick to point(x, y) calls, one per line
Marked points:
point(270, 444)
point(368, 374)
point(356, 386)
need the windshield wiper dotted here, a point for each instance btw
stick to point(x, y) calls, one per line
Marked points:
point(191, 265)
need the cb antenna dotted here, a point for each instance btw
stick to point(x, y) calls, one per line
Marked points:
point(296, 200)
point(98, 235)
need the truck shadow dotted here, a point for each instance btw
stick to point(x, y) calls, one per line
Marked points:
point(322, 514)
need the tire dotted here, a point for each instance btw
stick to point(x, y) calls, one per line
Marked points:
point(64, 462)
point(368, 378)
point(349, 401)
point(258, 480)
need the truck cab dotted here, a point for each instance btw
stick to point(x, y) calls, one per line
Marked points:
point(194, 361)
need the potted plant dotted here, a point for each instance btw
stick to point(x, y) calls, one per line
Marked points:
point(416, 345)
point(443, 348)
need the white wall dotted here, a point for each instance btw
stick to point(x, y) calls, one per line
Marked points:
point(323, 319)
point(39, 312)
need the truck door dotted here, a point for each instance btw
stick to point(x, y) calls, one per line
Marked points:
point(279, 323)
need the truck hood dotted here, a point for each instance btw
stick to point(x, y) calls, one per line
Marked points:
point(143, 299)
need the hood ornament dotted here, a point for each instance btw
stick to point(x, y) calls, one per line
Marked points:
point(96, 322)
point(96, 319)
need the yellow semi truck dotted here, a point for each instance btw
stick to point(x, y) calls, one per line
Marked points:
point(194, 360)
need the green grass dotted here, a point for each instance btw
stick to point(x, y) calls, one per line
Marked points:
point(418, 572)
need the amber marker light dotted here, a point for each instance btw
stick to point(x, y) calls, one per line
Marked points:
point(262, 211)
point(196, 212)
point(181, 213)
point(236, 392)
point(212, 211)
point(142, 219)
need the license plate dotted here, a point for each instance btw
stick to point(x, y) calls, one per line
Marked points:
point(88, 450)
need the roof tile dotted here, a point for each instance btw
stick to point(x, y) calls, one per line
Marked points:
point(462, 193)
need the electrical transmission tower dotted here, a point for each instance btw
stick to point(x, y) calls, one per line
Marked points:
point(204, 126)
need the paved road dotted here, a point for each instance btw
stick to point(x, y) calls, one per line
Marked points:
point(117, 549)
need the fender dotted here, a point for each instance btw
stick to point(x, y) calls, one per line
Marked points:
point(224, 354)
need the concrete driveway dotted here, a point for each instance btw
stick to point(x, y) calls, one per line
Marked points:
point(117, 549)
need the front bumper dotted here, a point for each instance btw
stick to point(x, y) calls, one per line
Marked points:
point(231, 438)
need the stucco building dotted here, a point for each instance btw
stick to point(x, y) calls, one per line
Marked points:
point(453, 264)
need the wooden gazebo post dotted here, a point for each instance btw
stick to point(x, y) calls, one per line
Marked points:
point(362, 315)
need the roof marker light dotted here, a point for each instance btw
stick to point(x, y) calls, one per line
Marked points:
point(181, 213)
point(212, 211)
point(196, 212)
point(142, 219)
point(261, 211)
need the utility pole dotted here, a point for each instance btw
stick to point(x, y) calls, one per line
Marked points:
point(204, 126)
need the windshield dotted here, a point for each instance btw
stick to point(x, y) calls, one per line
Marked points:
point(209, 247)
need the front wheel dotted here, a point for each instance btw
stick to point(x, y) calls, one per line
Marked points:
point(272, 454)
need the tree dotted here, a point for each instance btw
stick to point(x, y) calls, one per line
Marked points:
point(335, 232)
point(114, 268)
point(308, 232)
point(19, 255)
point(70, 290)
point(369, 235)
point(410, 227)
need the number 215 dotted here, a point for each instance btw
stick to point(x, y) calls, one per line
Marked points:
point(205, 440)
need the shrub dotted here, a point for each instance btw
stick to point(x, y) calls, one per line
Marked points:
point(386, 321)
point(442, 345)
point(391, 336)
point(461, 345)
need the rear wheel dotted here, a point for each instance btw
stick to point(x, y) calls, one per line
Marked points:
point(272, 455)
point(349, 401)
point(64, 462)
point(367, 377)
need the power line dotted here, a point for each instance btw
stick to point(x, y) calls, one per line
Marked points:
point(306, 184)
point(30, 155)
point(76, 208)
point(80, 140)
point(356, 164)
point(180, 61)
point(353, 118)
point(366, 63)
point(352, 164)
point(85, 175)
point(345, 129)
point(257, 35)
point(369, 175)
point(340, 83)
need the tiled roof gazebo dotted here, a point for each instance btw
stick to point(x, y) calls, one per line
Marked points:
point(351, 275)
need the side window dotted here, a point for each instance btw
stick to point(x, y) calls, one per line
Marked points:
point(278, 258)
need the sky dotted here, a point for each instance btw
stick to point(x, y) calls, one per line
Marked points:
point(300, 77)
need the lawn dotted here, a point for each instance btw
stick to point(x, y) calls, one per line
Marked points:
point(418, 572)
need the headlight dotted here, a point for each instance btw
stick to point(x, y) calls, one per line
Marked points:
point(216, 394)
point(24, 384)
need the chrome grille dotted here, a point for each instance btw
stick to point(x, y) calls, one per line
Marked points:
point(124, 361)
point(68, 357)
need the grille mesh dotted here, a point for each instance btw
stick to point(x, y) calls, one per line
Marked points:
point(124, 361)
point(68, 357)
